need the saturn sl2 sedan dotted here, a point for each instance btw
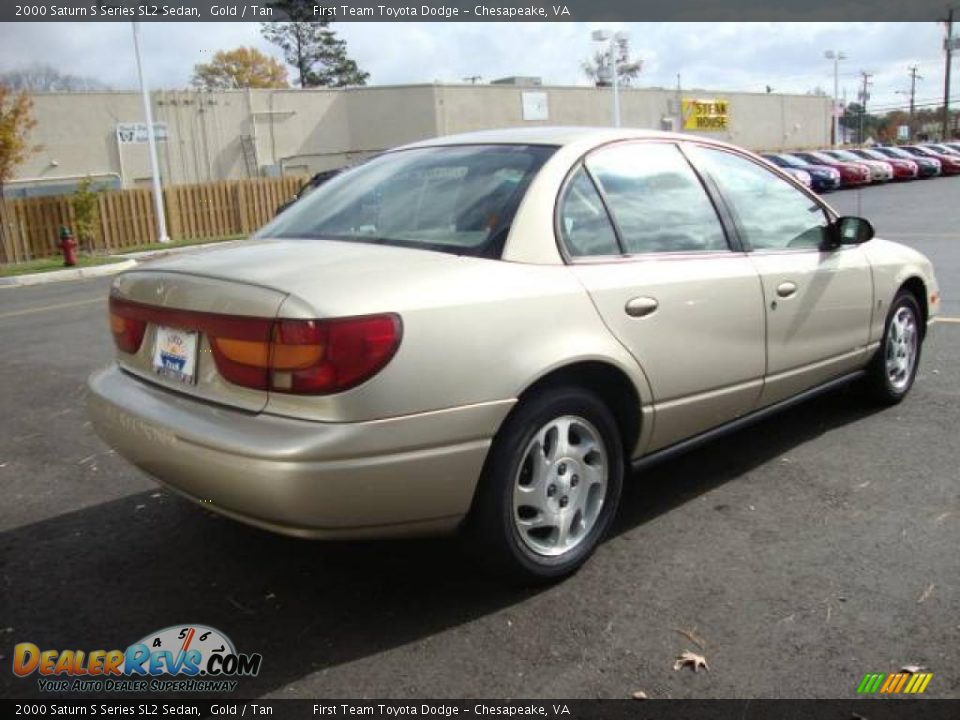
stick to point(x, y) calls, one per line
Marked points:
point(484, 333)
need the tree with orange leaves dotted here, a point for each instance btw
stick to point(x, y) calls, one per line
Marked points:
point(244, 67)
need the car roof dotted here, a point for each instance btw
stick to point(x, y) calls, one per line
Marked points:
point(548, 135)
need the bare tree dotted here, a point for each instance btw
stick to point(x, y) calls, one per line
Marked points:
point(598, 69)
point(39, 77)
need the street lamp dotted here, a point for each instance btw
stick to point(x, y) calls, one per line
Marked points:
point(836, 56)
point(617, 45)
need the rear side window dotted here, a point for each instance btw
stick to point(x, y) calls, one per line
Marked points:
point(584, 224)
point(656, 199)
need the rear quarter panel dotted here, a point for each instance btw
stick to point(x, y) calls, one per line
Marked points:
point(480, 332)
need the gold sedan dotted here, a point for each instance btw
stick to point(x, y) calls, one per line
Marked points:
point(484, 332)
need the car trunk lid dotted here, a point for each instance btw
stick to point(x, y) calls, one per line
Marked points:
point(164, 296)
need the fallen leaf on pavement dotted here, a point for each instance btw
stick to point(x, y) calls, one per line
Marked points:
point(693, 660)
point(912, 669)
point(639, 695)
point(926, 593)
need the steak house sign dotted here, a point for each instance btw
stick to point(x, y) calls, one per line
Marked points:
point(706, 115)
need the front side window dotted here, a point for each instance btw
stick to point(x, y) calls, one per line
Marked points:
point(772, 214)
point(656, 199)
point(458, 198)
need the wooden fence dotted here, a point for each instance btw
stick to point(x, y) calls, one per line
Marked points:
point(29, 228)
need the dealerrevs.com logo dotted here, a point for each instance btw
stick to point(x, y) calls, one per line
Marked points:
point(179, 658)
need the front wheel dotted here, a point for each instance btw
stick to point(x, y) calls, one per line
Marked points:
point(550, 487)
point(894, 368)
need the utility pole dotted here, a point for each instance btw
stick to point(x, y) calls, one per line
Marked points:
point(948, 47)
point(864, 97)
point(913, 96)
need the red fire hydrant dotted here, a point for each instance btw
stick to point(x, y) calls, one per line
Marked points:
point(68, 246)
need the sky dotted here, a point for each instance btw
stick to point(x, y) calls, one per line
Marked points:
point(713, 56)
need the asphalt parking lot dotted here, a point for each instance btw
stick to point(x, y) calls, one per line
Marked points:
point(796, 555)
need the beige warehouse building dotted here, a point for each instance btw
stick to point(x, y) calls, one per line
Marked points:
point(205, 136)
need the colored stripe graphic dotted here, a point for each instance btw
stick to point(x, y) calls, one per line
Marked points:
point(893, 683)
point(890, 683)
point(870, 683)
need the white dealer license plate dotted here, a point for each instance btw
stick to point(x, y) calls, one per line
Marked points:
point(175, 354)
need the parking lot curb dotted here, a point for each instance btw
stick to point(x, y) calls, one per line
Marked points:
point(65, 275)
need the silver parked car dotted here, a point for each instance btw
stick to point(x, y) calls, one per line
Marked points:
point(484, 332)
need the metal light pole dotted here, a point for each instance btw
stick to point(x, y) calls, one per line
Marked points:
point(948, 46)
point(836, 56)
point(151, 142)
point(614, 40)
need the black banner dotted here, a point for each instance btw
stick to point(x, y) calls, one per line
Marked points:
point(496, 709)
point(469, 10)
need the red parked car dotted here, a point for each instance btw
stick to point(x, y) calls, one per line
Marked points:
point(950, 164)
point(850, 173)
point(902, 169)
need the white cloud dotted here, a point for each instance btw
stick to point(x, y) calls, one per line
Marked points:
point(732, 56)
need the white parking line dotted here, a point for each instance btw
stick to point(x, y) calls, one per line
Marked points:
point(941, 319)
point(45, 308)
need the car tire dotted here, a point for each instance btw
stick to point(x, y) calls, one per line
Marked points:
point(542, 504)
point(894, 367)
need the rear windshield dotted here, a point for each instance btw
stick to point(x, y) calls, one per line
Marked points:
point(459, 199)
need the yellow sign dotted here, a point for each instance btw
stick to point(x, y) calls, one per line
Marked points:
point(705, 115)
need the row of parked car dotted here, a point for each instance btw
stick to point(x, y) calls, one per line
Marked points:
point(826, 170)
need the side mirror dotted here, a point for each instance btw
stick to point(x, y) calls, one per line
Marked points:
point(850, 230)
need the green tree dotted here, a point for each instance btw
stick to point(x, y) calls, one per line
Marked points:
point(851, 118)
point(86, 212)
point(243, 67)
point(310, 46)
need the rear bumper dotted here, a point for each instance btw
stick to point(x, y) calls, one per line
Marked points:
point(410, 475)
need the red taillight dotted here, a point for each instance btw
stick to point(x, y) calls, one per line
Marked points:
point(127, 329)
point(323, 356)
point(304, 357)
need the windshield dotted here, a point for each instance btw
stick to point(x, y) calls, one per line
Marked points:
point(895, 152)
point(845, 155)
point(823, 157)
point(792, 161)
point(871, 154)
point(458, 198)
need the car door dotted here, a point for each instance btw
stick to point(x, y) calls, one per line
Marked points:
point(644, 238)
point(818, 302)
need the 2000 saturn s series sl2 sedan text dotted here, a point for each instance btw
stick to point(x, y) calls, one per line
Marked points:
point(483, 332)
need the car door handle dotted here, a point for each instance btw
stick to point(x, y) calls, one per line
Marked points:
point(787, 289)
point(641, 306)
